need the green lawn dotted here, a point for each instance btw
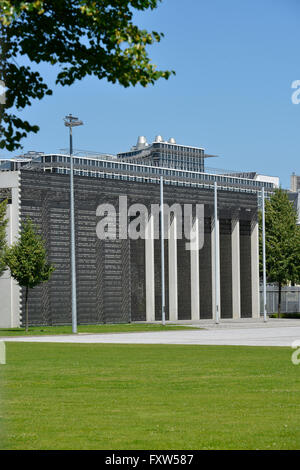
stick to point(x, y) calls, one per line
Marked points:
point(107, 328)
point(147, 397)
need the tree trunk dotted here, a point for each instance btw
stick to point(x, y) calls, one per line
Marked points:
point(26, 310)
point(279, 299)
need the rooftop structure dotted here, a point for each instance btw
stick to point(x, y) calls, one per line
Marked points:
point(180, 165)
point(258, 177)
point(166, 154)
point(15, 163)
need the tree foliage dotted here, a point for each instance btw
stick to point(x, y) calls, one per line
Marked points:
point(282, 241)
point(27, 260)
point(83, 37)
point(3, 224)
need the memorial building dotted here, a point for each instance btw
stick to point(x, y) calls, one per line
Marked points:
point(119, 276)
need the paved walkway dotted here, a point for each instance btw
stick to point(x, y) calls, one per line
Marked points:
point(229, 332)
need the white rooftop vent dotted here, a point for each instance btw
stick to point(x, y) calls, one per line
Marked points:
point(172, 140)
point(158, 139)
point(141, 142)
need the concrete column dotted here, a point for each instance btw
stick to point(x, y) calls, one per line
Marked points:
point(215, 276)
point(149, 268)
point(173, 277)
point(195, 284)
point(255, 269)
point(10, 292)
point(236, 268)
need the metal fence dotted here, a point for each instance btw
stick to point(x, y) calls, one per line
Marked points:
point(290, 300)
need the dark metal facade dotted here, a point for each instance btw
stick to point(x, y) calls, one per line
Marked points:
point(111, 283)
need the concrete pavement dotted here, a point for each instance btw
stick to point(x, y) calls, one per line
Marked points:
point(246, 332)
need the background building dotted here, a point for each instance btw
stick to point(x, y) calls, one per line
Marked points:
point(295, 199)
point(166, 154)
point(274, 180)
point(295, 183)
point(294, 194)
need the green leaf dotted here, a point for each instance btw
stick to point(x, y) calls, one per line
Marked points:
point(85, 37)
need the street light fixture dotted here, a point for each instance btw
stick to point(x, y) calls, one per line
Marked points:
point(162, 239)
point(217, 254)
point(70, 122)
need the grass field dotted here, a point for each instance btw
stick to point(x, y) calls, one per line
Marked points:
point(148, 397)
point(107, 328)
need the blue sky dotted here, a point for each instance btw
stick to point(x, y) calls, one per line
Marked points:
point(235, 61)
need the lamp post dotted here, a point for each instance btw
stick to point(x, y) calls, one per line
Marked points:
point(70, 122)
point(162, 240)
point(217, 254)
point(264, 254)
